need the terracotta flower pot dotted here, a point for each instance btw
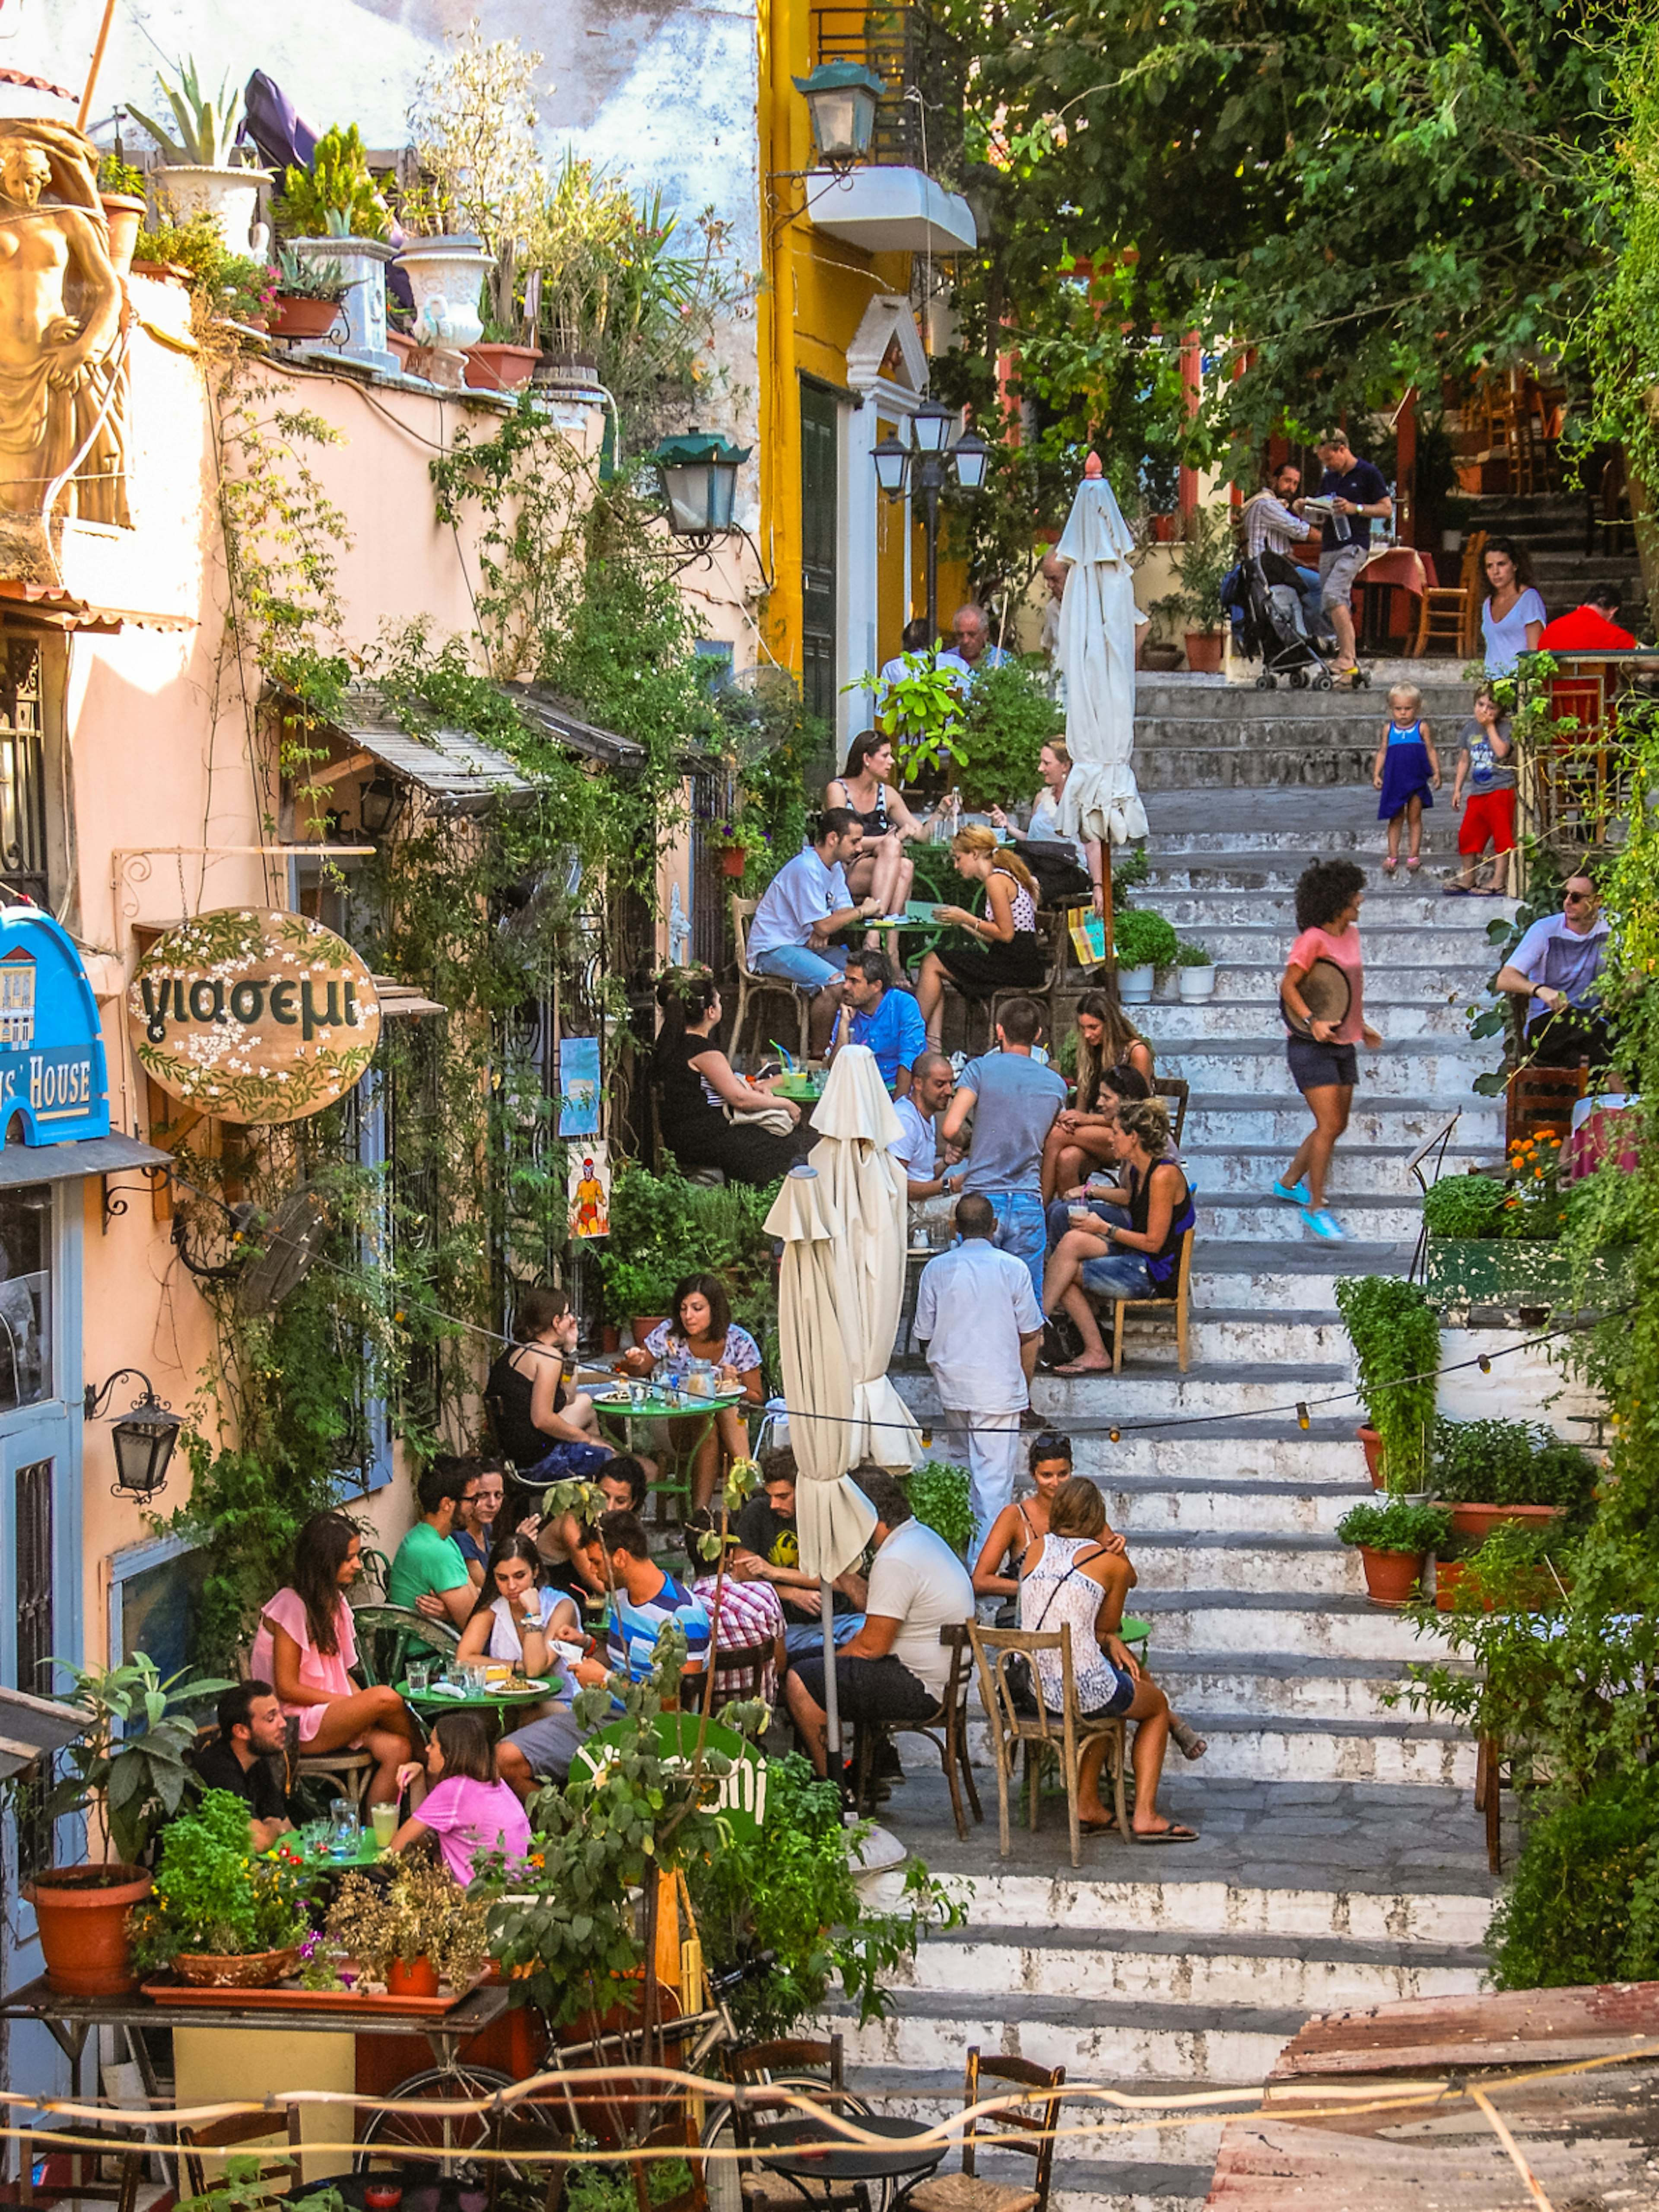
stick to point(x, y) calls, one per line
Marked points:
point(1481, 1520)
point(125, 213)
point(405, 347)
point(642, 1325)
point(303, 318)
point(82, 1913)
point(1390, 1576)
point(733, 859)
point(419, 1978)
point(1204, 651)
point(1372, 1440)
point(246, 1970)
point(492, 367)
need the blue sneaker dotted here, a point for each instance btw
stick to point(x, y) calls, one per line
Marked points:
point(1324, 1224)
point(1294, 1194)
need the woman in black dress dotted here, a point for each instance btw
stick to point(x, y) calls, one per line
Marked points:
point(696, 1084)
point(545, 1434)
point(1009, 956)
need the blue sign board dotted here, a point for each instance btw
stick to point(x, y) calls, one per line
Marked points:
point(54, 1083)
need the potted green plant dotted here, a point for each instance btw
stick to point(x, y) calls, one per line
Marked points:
point(1010, 717)
point(308, 295)
point(1202, 558)
point(938, 1493)
point(497, 363)
point(741, 841)
point(200, 173)
point(121, 195)
point(414, 1931)
point(1393, 1541)
point(1142, 943)
point(1396, 1335)
point(127, 1771)
point(219, 1915)
point(1196, 973)
point(334, 214)
point(921, 711)
point(639, 1293)
point(1492, 1471)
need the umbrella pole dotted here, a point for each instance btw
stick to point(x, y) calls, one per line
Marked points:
point(831, 1701)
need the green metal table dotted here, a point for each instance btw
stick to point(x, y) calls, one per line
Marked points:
point(656, 1406)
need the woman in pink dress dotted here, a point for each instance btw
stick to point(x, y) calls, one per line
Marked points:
point(305, 1648)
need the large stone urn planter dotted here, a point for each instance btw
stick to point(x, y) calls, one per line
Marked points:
point(444, 275)
point(231, 195)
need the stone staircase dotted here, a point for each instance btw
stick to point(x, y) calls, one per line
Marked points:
point(1340, 1861)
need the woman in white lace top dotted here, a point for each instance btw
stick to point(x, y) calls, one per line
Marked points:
point(1071, 1579)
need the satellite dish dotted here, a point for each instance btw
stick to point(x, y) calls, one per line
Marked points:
point(291, 1244)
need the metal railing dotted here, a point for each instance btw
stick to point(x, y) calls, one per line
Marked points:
point(919, 117)
point(1575, 767)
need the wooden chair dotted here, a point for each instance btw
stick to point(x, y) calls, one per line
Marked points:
point(231, 2134)
point(966, 2191)
point(387, 1634)
point(1177, 1092)
point(1448, 615)
point(804, 2069)
point(741, 1673)
point(1177, 1309)
point(947, 1732)
point(753, 988)
point(1540, 1098)
point(1053, 925)
point(88, 2182)
point(352, 1770)
point(1041, 1736)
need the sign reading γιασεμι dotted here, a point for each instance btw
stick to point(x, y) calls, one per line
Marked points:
point(51, 1049)
point(253, 1015)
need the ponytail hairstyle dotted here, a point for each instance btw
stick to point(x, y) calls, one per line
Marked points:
point(684, 995)
point(1147, 1121)
point(976, 838)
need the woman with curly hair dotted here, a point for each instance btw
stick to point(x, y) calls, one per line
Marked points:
point(1323, 1056)
point(710, 1117)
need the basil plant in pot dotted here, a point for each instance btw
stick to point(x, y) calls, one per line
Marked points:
point(1142, 943)
point(127, 1773)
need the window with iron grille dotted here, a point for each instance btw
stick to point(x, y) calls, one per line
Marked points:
point(32, 1509)
point(22, 774)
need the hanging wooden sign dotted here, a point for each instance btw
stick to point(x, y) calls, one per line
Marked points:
point(251, 1015)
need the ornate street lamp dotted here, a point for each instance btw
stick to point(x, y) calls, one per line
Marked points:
point(699, 477)
point(840, 98)
point(924, 467)
point(143, 1437)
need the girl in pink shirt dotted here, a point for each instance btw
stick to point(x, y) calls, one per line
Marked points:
point(472, 1815)
point(1323, 1056)
point(305, 1648)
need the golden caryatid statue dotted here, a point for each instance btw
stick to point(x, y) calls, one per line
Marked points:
point(63, 322)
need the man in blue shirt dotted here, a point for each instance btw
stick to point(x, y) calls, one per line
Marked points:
point(1357, 491)
point(644, 1600)
point(889, 1021)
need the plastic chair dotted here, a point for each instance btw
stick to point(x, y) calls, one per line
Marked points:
point(947, 1732)
point(752, 985)
point(1177, 1309)
point(1039, 1735)
point(967, 2192)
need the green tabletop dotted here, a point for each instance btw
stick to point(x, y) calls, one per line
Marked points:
point(656, 1407)
point(368, 1853)
point(805, 1089)
point(436, 1700)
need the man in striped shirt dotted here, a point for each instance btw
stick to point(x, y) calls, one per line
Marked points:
point(1272, 524)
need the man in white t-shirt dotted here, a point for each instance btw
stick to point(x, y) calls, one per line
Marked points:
point(981, 1325)
point(896, 1668)
point(800, 910)
point(931, 1082)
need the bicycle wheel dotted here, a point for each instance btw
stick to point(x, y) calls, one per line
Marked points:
point(721, 2175)
point(390, 2136)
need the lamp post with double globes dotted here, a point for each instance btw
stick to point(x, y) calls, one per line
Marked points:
point(923, 468)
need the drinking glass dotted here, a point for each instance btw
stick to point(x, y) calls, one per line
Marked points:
point(419, 1676)
point(384, 1818)
point(344, 1830)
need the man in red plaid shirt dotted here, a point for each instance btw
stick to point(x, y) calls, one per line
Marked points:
point(749, 1612)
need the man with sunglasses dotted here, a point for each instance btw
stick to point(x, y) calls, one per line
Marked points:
point(1555, 970)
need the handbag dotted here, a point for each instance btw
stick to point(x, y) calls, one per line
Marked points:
point(1016, 1668)
point(776, 1120)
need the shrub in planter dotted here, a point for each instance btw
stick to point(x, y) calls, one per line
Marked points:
point(1465, 1206)
point(416, 1917)
point(1393, 1541)
point(213, 1898)
point(1011, 716)
point(1494, 1462)
point(1396, 1335)
point(939, 1494)
point(1140, 939)
point(1196, 972)
point(1583, 1906)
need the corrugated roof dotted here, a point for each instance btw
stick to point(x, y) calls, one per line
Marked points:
point(457, 769)
point(559, 720)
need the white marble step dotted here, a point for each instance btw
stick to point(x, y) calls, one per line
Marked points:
point(1222, 1018)
point(1239, 1335)
point(1365, 1215)
point(1326, 1455)
point(1300, 1748)
point(1247, 982)
point(1213, 1505)
point(1210, 1972)
point(1311, 1624)
point(1232, 1387)
point(1252, 1118)
point(1465, 956)
point(1265, 1687)
point(1438, 1068)
point(1396, 903)
point(1249, 1560)
point(1217, 1169)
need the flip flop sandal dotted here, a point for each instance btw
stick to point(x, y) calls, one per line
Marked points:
point(1390, 865)
point(1097, 1828)
point(1414, 864)
point(1174, 1833)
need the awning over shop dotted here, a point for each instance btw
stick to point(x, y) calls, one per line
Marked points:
point(558, 719)
point(22, 1163)
point(62, 610)
point(451, 766)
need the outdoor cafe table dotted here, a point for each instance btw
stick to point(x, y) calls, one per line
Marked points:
point(621, 1413)
point(500, 1701)
point(807, 2150)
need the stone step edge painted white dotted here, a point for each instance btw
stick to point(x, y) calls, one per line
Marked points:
point(1094, 1899)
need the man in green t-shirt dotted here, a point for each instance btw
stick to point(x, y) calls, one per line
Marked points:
point(429, 1574)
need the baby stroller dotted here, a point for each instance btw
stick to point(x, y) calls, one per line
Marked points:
point(1270, 599)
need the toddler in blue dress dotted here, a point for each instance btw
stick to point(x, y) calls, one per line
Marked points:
point(1407, 771)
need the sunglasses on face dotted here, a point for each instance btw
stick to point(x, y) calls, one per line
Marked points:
point(1579, 898)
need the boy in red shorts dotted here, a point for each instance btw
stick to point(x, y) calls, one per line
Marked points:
point(1489, 815)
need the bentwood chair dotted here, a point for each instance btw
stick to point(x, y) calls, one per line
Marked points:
point(752, 989)
point(947, 1731)
point(968, 2191)
point(1040, 1735)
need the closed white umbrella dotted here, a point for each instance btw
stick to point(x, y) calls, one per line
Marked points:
point(1096, 652)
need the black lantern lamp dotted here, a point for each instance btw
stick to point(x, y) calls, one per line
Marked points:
point(840, 98)
point(970, 458)
point(699, 476)
point(924, 467)
point(892, 459)
point(378, 804)
point(144, 1436)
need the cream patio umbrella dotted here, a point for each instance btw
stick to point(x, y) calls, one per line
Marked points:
point(841, 1217)
point(1097, 651)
